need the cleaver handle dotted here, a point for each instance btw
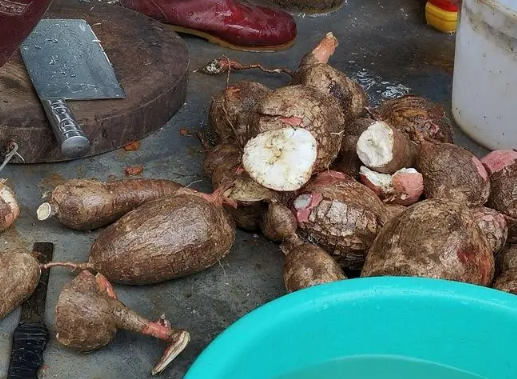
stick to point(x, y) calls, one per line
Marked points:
point(73, 141)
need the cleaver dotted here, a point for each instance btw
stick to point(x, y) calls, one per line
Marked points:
point(66, 61)
point(31, 335)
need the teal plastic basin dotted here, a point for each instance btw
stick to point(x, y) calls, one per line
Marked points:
point(371, 328)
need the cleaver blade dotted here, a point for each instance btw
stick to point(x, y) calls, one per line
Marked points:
point(65, 61)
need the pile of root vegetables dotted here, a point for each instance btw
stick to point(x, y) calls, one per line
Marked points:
point(345, 190)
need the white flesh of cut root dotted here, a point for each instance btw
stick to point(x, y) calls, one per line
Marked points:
point(375, 145)
point(281, 159)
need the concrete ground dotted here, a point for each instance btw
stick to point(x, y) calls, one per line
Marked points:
point(385, 45)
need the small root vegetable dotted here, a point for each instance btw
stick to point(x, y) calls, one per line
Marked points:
point(279, 137)
point(493, 225)
point(230, 110)
point(404, 187)
point(340, 215)
point(305, 264)
point(433, 239)
point(88, 315)
point(384, 149)
point(91, 204)
point(9, 208)
point(507, 281)
point(347, 160)
point(19, 275)
point(409, 113)
point(316, 73)
point(164, 239)
point(452, 173)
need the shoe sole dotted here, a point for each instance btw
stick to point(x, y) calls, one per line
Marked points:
point(223, 43)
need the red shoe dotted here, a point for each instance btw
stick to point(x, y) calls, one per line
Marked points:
point(228, 23)
point(17, 20)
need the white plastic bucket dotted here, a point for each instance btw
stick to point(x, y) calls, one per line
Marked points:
point(484, 92)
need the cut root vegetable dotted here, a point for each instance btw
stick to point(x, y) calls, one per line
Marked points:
point(9, 208)
point(282, 160)
point(433, 239)
point(19, 275)
point(412, 113)
point(404, 187)
point(88, 315)
point(497, 160)
point(90, 204)
point(384, 149)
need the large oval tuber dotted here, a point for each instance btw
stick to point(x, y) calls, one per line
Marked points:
point(409, 113)
point(9, 207)
point(19, 275)
point(164, 239)
point(91, 204)
point(340, 215)
point(281, 155)
point(88, 315)
point(452, 173)
point(433, 239)
point(230, 110)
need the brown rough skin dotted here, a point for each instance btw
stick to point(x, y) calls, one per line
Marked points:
point(164, 239)
point(411, 112)
point(308, 265)
point(223, 164)
point(9, 207)
point(507, 258)
point(507, 281)
point(503, 196)
point(330, 81)
point(433, 239)
point(452, 173)
point(91, 204)
point(493, 225)
point(230, 109)
point(303, 107)
point(340, 215)
point(347, 160)
point(88, 315)
point(19, 275)
point(394, 210)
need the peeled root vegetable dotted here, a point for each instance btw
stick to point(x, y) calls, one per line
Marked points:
point(91, 204)
point(347, 160)
point(295, 132)
point(9, 208)
point(316, 73)
point(88, 315)
point(305, 264)
point(162, 240)
point(340, 215)
point(502, 166)
point(384, 149)
point(493, 225)
point(19, 275)
point(409, 113)
point(230, 110)
point(404, 187)
point(433, 239)
point(452, 173)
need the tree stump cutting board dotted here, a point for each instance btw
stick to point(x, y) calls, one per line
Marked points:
point(150, 61)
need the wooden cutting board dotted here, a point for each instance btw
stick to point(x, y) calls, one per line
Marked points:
point(150, 60)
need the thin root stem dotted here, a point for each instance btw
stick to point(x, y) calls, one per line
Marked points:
point(224, 64)
point(75, 266)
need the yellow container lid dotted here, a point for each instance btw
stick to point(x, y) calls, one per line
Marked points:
point(442, 15)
